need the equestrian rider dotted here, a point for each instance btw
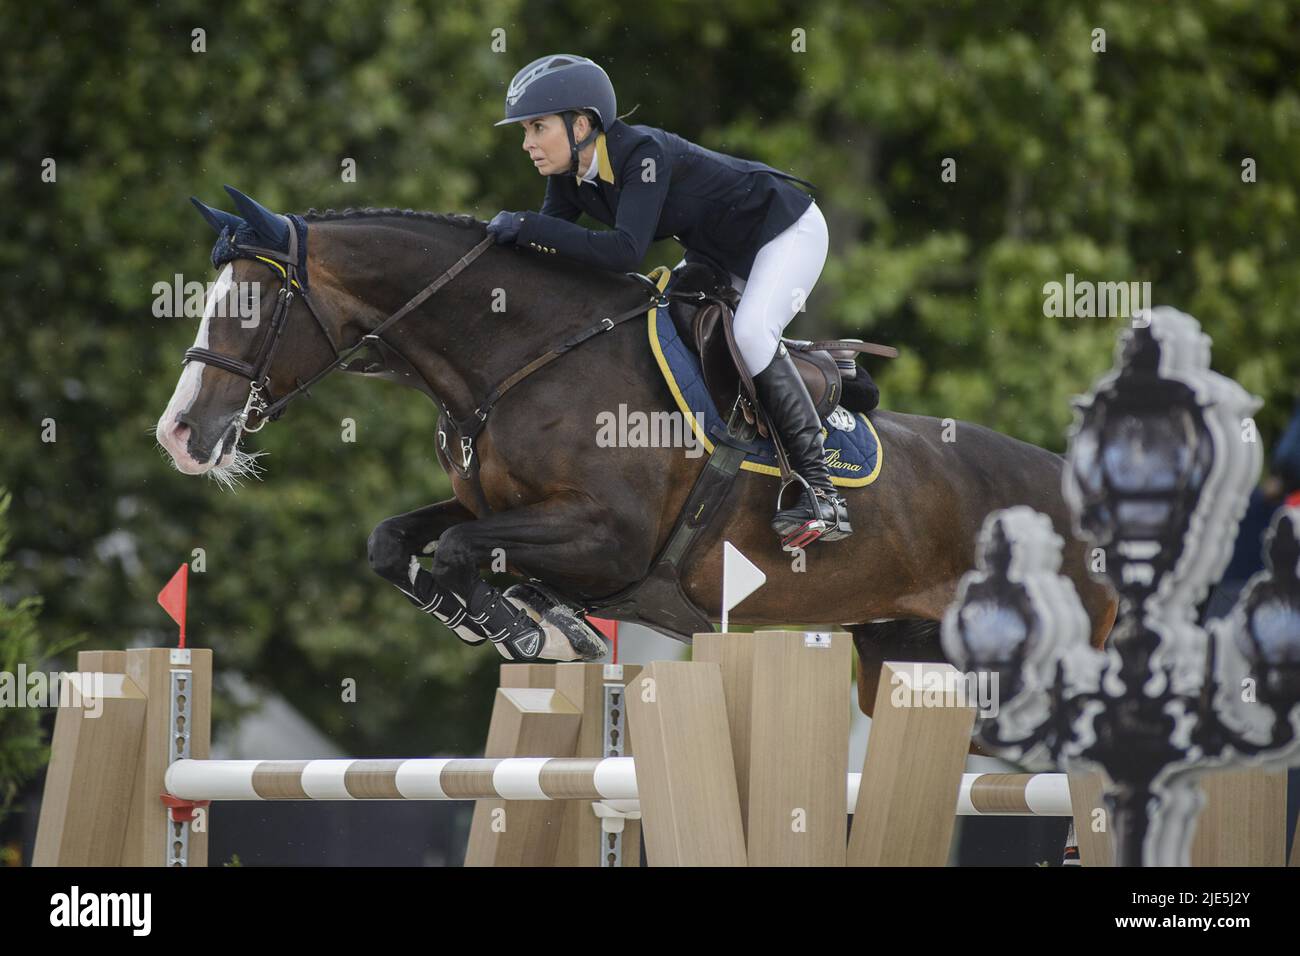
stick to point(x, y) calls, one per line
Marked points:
point(650, 184)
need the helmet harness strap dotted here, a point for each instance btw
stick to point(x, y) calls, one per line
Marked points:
point(574, 146)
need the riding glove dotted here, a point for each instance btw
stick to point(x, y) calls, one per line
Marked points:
point(505, 227)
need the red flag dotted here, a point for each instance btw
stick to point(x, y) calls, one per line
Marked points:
point(174, 595)
point(610, 630)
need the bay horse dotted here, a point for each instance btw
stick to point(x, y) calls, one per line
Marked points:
point(582, 520)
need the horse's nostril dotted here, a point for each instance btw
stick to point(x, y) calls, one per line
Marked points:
point(182, 432)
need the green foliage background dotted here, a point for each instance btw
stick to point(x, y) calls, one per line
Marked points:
point(1123, 165)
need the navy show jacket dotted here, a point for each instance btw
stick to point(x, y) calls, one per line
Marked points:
point(652, 184)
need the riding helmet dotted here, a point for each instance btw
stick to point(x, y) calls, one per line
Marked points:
point(562, 83)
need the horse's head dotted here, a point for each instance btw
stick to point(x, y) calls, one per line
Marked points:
point(241, 367)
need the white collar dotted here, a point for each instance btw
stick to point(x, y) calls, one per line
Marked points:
point(594, 169)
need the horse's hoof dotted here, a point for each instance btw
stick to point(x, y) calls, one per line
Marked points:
point(568, 636)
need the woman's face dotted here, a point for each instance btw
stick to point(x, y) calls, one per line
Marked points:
point(546, 143)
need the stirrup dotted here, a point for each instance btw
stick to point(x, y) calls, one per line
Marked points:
point(809, 531)
point(841, 527)
point(817, 527)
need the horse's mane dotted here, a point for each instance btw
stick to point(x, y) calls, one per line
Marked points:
point(463, 221)
point(453, 219)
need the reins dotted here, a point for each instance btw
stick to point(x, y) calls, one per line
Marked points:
point(468, 428)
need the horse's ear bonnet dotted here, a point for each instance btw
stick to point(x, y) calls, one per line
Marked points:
point(258, 228)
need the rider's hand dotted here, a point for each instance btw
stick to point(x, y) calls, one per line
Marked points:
point(505, 227)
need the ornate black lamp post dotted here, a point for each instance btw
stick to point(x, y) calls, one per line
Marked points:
point(1159, 472)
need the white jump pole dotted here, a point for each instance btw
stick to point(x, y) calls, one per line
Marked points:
point(511, 778)
point(610, 779)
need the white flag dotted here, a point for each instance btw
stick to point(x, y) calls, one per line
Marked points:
point(740, 579)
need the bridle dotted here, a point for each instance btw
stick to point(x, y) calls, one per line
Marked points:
point(467, 428)
point(258, 372)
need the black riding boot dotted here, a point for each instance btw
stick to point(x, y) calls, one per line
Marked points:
point(818, 512)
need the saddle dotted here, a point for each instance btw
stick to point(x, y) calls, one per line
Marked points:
point(829, 369)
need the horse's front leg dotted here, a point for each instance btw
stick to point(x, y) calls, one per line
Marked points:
point(394, 550)
point(565, 539)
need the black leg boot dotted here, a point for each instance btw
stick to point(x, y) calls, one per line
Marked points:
point(514, 633)
point(818, 512)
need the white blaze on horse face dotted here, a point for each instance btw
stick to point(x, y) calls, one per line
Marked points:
point(191, 380)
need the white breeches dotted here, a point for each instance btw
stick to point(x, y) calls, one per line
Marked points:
point(784, 273)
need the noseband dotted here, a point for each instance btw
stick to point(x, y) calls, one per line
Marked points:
point(258, 372)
